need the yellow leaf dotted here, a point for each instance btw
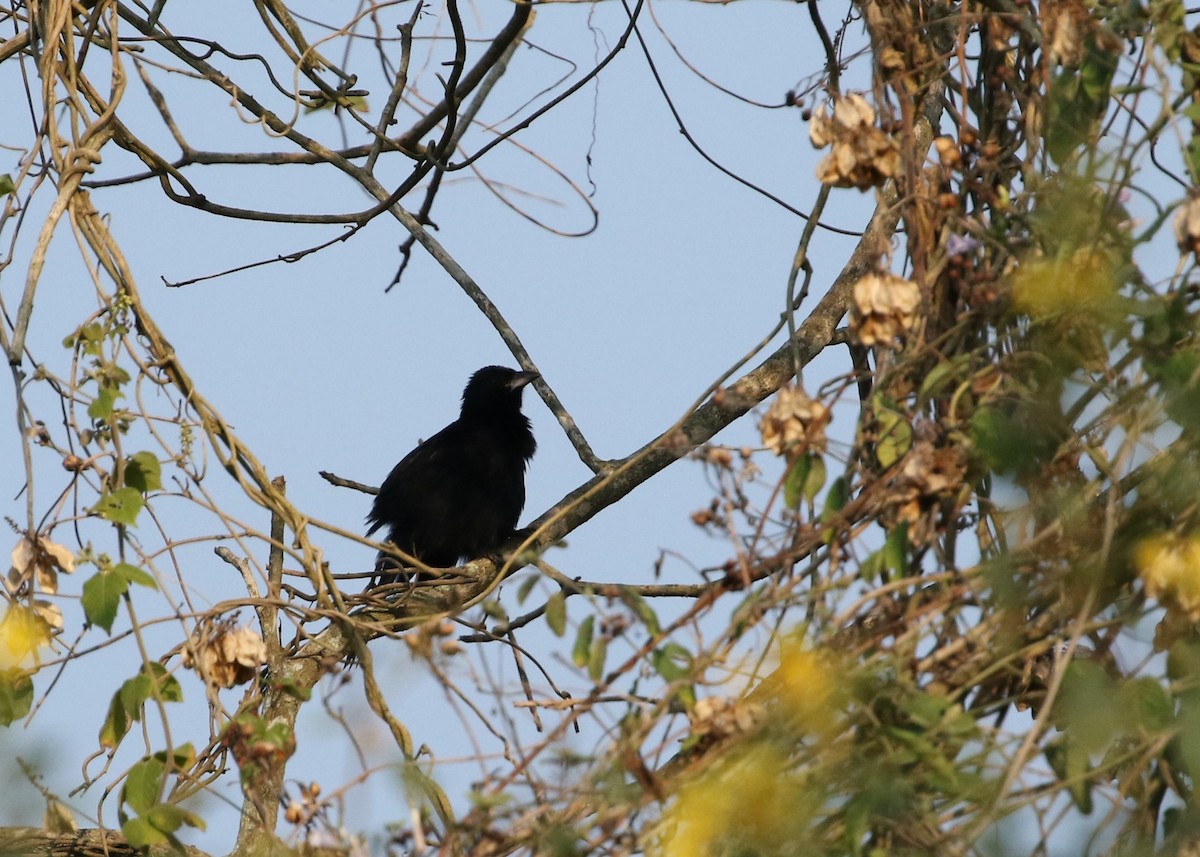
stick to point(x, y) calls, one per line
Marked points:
point(1086, 281)
point(1169, 566)
point(22, 633)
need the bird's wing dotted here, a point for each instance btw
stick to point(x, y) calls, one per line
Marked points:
point(399, 493)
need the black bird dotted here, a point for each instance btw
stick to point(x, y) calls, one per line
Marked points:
point(458, 495)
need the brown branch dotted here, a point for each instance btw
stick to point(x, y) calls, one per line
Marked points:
point(338, 481)
point(411, 139)
point(36, 842)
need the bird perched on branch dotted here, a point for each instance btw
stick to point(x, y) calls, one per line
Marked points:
point(458, 495)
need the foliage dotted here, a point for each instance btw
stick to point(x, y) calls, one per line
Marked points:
point(928, 625)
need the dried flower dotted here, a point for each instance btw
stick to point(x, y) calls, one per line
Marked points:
point(719, 716)
point(948, 153)
point(885, 308)
point(929, 475)
point(41, 559)
point(1187, 226)
point(935, 470)
point(223, 655)
point(794, 424)
point(1066, 26)
point(861, 155)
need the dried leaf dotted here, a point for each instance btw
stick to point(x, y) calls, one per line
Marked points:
point(22, 555)
point(50, 613)
point(61, 556)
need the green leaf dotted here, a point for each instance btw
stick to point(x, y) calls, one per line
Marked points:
point(1183, 661)
point(133, 574)
point(168, 818)
point(816, 478)
point(597, 654)
point(872, 567)
point(116, 722)
point(179, 757)
point(140, 833)
point(1177, 377)
point(835, 499)
point(895, 549)
point(583, 641)
point(143, 472)
point(127, 702)
point(91, 334)
point(686, 697)
point(1071, 765)
point(495, 610)
point(101, 407)
point(6, 184)
point(895, 437)
point(526, 587)
point(793, 483)
point(289, 686)
point(1147, 705)
point(940, 375)
point(672, 662)
point(134, 693)
point(168, 687)
point(1167, 26)
point(1077, 102)
point(641, 609)
point(556, 613)
point(1084, 711)
point(121, 506)
point(993, 433)
point(143, 784)
point(16, 695)
point(1191, 156)
point(165, 817)
point(101, 597)
point(805, 479)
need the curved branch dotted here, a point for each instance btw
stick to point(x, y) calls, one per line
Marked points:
point(411, 139)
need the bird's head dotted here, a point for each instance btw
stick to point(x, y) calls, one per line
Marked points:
point(495, 388)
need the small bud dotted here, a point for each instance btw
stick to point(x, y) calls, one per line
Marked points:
point(720, 457)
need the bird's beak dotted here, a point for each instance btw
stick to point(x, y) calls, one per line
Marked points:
point(520, 379)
